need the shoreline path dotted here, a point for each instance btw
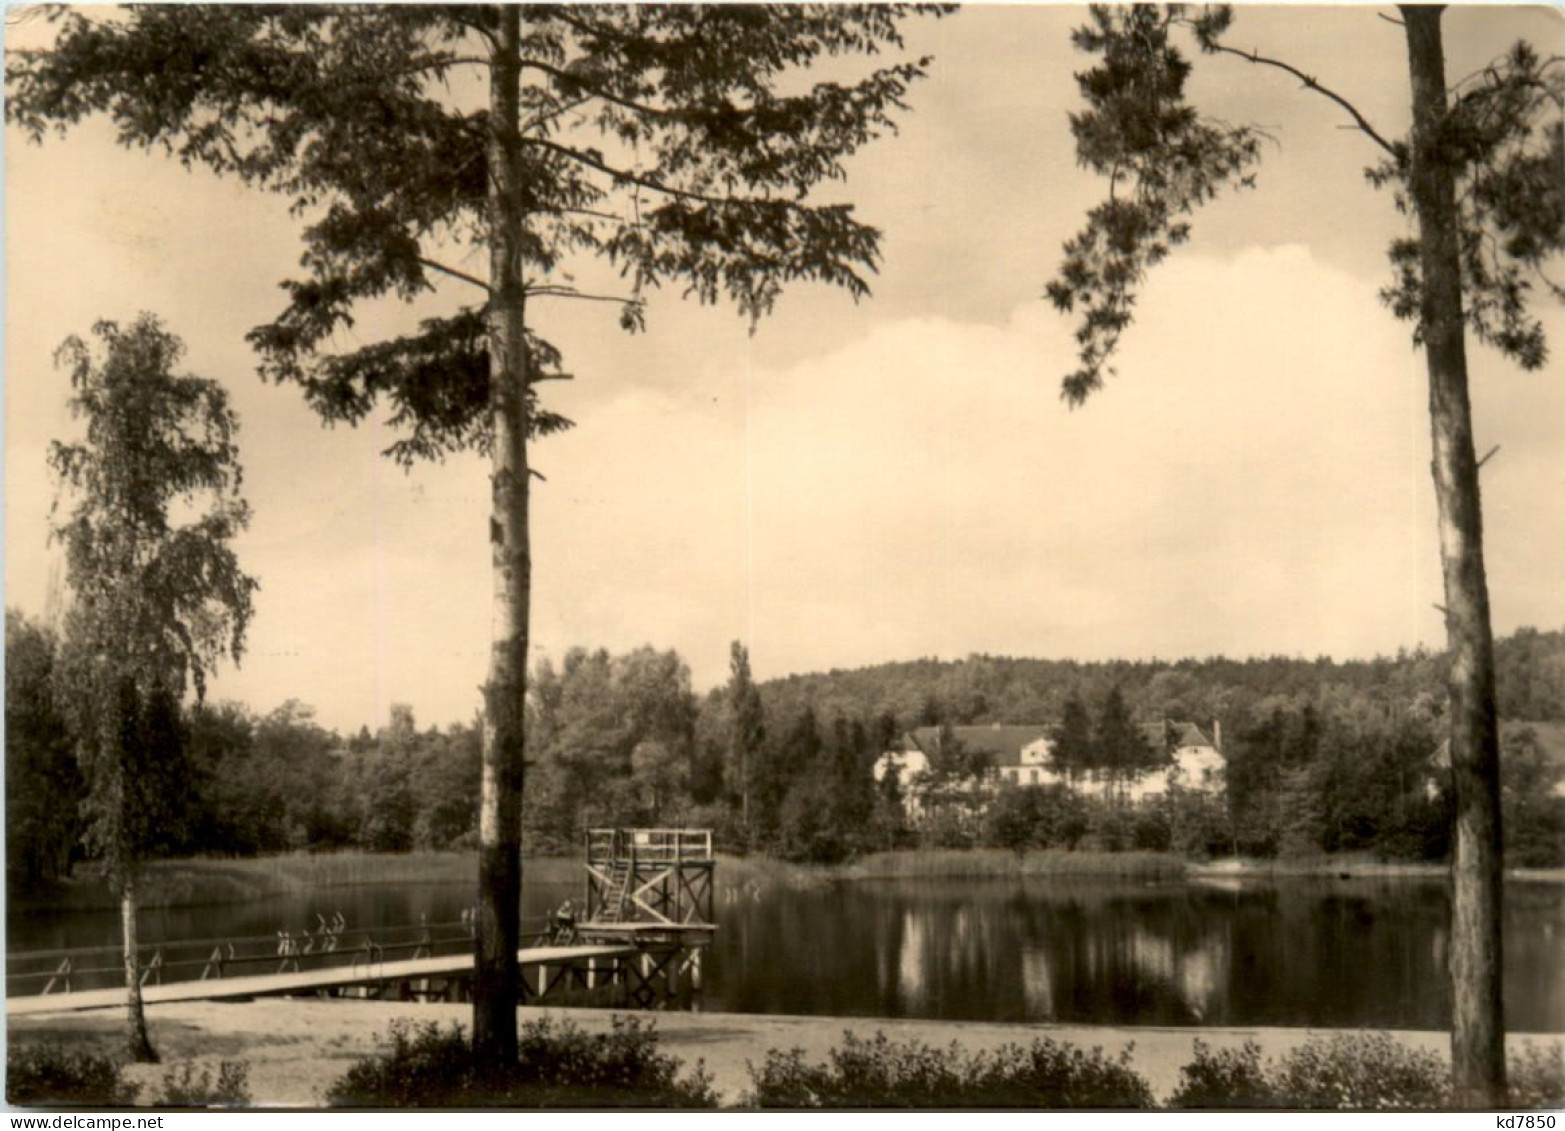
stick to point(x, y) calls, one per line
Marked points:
point(296, 1048)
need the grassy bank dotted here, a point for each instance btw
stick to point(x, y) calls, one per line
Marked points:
point(169, 883)
point(998, 863)
point(1355, 866)
point(1346, 865)
point(952, 863)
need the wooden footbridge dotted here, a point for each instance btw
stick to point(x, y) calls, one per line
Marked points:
point(648, 919)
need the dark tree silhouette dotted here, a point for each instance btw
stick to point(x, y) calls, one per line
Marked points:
point(1483, 176)
point(678, 143)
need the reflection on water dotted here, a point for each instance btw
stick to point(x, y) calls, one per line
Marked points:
point(1293, 951)
point(1288, 952)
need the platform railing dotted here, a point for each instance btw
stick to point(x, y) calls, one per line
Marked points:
point(653, 846)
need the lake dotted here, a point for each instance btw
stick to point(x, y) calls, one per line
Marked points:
point(1290, 951)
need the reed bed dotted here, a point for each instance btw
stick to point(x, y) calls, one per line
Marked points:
point(174, 883)
point(985, 863)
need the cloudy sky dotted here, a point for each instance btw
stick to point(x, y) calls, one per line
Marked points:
point(855, 484)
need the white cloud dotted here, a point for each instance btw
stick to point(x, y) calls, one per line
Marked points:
point(857, 483)
point(1254, 481)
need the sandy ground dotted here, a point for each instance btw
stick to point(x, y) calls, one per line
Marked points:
point(296, 1048)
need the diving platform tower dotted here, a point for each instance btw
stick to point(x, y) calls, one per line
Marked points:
point(652, 884)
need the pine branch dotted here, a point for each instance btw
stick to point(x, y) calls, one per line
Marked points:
point(1310, 83)
point(624, 175)
point(434, 62)
point(454, 273)
point(544, 117)
point(552, 290)
point(575, 82)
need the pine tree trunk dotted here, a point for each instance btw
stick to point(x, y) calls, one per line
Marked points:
point(1477, 1018)
point(496, 977)
point(137, 1039)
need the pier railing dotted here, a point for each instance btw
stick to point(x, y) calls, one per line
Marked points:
point(65, 969)
point(652, 846)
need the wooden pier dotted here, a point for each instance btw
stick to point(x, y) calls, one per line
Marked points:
point(648, 920)
point(546, 971)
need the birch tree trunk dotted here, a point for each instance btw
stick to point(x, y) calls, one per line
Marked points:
point(138, 1040)
point(495, 971)
point(1477, 1018)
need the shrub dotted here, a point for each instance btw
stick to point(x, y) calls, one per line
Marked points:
point(1035, 816)
point(182, 1087)
point(1013, 818)
point(948, 826)
point(557, 1066)
point(1109, 827)
point(884, 1073)
point(1347, 1071)
point(1362, 1072)
point(1151, 831)
point(426, 1066)
point(1054, 1075)
point(1223, 1078)
point(1537, 1077)
point(1535, 836)
point(51, 1074)
point(1353, 1071)
point(622, 1066)
point(1198, 825)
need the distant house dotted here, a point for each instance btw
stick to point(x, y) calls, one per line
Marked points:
point(1023, 755)
point(1198, 762)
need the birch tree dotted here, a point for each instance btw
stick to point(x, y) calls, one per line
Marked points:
point(152, 504)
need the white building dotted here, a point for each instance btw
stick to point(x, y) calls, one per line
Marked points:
point(1023, 755)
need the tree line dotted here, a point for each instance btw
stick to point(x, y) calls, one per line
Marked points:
point(1321, 757)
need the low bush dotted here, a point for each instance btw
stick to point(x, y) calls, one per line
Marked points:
point(1352, 1071)
point(1219, 1078)
point(184, 1086)
point(50, 1073)
point(556, 1066)
point(883, 1073)
point(1537, 1077)
point(427, 1066)
point(1363, 1072)
point(1346, 1072)
point(1151, 832)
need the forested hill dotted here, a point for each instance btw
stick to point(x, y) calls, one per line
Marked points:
point(984, 689)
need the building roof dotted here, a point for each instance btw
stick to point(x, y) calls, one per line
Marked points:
point(1188, 734)
point(1004, 742)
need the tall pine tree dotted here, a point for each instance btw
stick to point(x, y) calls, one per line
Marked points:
point(1073, 749)
point(678, 143)
point(1483, 177)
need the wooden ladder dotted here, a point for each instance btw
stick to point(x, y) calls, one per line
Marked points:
point(614, 892)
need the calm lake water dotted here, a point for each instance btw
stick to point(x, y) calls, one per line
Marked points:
point(1292, 951)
